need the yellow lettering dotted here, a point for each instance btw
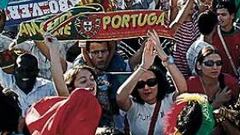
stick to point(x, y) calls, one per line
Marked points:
point(23, 30)
point(67, 29)
point(116, 21)
point(161, 19)
point(60, 31)
point(140, 21)
point(39, 29)
point(134, 20)
point(64, 17)
point(152, 18)
point(106, 21)
point(53, 24)
point(63, 31)
point(31, 29)
point(49, 25)
point(42, 28)
point(125, 21)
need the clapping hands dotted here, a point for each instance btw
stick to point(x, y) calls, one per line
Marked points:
point(152, 49)
point(154, 40)
point(148, 55)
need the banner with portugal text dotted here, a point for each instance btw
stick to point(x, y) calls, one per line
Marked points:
point(34, 29)
point(103, 25)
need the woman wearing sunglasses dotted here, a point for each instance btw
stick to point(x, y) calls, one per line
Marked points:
point(221, 89)
point(143, 95)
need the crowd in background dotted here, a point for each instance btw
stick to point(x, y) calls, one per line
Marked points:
point(141, 86)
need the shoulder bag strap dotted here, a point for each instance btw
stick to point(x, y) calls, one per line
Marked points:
point(154, 118)
point(152, 123)
point(226, 50)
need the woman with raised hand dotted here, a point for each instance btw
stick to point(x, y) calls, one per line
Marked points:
point(76, 110)
point(143, 95)
point(77, 77)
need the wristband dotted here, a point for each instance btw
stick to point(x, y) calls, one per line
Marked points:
point(165, 60)
point(143, 69)
point(168, 61)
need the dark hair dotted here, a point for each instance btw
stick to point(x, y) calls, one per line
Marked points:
point(190, 118)
point(207, 21)
point(88, 43)
point(10, 111)
point(201, 56)
point(206, 51)
point(163, 86)
point(230, 6)
point(29, 56)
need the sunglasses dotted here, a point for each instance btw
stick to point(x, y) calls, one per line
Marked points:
point(150, 83)
point(210, 63)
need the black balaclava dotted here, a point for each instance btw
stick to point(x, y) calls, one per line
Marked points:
point(26, 71)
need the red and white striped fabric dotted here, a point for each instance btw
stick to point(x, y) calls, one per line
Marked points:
point(185, 36)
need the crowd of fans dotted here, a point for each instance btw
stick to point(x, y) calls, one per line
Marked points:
point(166, 86)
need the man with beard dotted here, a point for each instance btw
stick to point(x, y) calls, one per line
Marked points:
point(25, 83)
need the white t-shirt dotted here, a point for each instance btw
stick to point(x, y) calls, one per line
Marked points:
point(139, 116)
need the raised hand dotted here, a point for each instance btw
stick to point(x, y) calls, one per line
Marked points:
point(149, 55)
point(51, 41)
point(177, 77)
point(153, 37)
point(56, 68)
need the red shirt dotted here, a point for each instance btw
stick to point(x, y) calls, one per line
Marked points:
point(195, 86)
point(232, 41)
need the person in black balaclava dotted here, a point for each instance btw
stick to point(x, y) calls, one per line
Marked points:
point(26, 71)
point(25, 82)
